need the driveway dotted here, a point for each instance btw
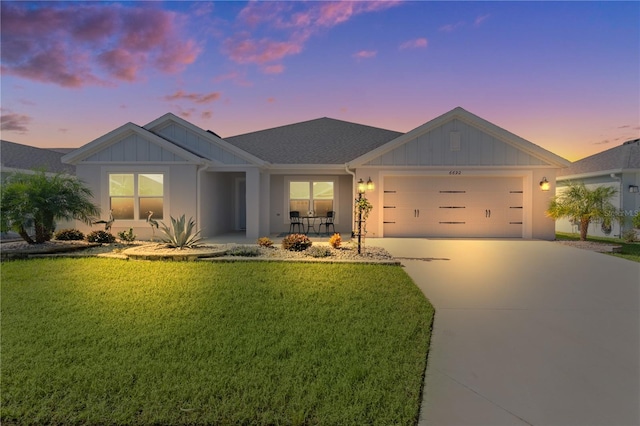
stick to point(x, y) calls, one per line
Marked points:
point(527, 332)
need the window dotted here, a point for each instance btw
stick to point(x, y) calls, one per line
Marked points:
point(306, 196)
point(132, 195)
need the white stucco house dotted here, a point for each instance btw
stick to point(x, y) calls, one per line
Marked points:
point(457, 175)
point(618, 167)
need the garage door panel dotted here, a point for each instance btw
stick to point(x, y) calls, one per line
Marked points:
point(453, 206)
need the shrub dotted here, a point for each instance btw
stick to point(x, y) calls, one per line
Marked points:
point(245, 251)
point(335, 241)
point(265, 242)
point(296, 242)
point(636, 220)
point(102, 237)
point(180, 234)
point(319, 251)
point(127, 236)
point(629, 235)
point(69, 235)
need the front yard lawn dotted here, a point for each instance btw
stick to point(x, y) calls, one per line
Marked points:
point(100, 341)
point(630, 251)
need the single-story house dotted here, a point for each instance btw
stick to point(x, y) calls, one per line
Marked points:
point(618, 167)
point(15, 157)
point(457, 175)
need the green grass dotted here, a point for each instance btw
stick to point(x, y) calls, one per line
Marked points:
point(101, 341)
point(630, 251)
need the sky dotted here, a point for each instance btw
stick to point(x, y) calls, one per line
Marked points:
point(563, 75)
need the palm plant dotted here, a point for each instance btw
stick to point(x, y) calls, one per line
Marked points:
point(583, 205)
point(37, 201)
point(180, 234)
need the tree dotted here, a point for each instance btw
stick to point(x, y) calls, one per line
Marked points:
point(582, 205)
point(37, 200)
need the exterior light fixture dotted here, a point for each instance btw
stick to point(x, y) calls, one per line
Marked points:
point(370, 185)
point(361, 186)
point(633, 188)
point(544, 184)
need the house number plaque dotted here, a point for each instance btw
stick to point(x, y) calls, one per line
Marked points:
point(455, 172)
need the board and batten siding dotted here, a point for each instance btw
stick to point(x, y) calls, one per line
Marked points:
point(198, 145)
point(456, 143)
point(134, 148)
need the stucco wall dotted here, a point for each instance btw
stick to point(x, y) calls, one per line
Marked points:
point(278, 210)
point(179, 196)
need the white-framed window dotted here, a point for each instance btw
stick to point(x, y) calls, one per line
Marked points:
point(315, 196)
point(132, 195)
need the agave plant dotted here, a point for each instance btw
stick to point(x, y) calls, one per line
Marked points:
point(180, 234)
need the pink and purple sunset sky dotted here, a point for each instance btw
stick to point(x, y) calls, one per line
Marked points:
point(563, 75)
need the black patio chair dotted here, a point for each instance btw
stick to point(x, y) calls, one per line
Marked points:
point(295, 220)
point(327, 222)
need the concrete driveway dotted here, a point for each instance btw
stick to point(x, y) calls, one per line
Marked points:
point(527, 332)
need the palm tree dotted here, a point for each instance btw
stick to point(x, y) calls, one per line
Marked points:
point(37, 200)
point(582, 205)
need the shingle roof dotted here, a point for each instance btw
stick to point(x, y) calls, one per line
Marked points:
point(625, 156)
point(319, 141)
point(17, 156)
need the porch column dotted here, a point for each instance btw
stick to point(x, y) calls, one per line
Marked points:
point(253, 204)
point(265, 204)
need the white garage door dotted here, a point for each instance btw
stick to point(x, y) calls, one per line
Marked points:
point(454, 206)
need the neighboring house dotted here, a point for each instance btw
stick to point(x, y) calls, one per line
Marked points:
point(455, 176)
point(15, 157)
point(618, 167)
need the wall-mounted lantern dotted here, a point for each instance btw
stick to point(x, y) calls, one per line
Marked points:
point(544, 184)
point(633, 188)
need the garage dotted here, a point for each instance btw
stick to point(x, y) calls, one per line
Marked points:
point(453, 206)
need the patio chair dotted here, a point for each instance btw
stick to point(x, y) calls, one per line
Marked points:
point(295, 220)
point(327, 222)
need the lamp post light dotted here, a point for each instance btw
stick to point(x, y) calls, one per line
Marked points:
point(362, 188)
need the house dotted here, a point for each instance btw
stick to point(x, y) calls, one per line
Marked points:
point(618, 167)
point(15, 157)
point(457, 175)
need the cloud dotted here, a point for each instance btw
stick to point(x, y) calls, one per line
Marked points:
point(271, 100)
point(206, 115)
point(451, 27)
point(13, 122)
point(198, 98)
point(273, 69)
point(365, 54)
point(603, 142)
point(294, 23)
point(245, 50)
point(418, 43)
point(480, 19)
point(91, 44)
point(235, 76)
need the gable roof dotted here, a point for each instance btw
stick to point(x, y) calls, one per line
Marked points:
point(465, 116)
point(23, 157)
point(206, 144)
point(320, 141)
point(616, 159)
point(115, 136)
